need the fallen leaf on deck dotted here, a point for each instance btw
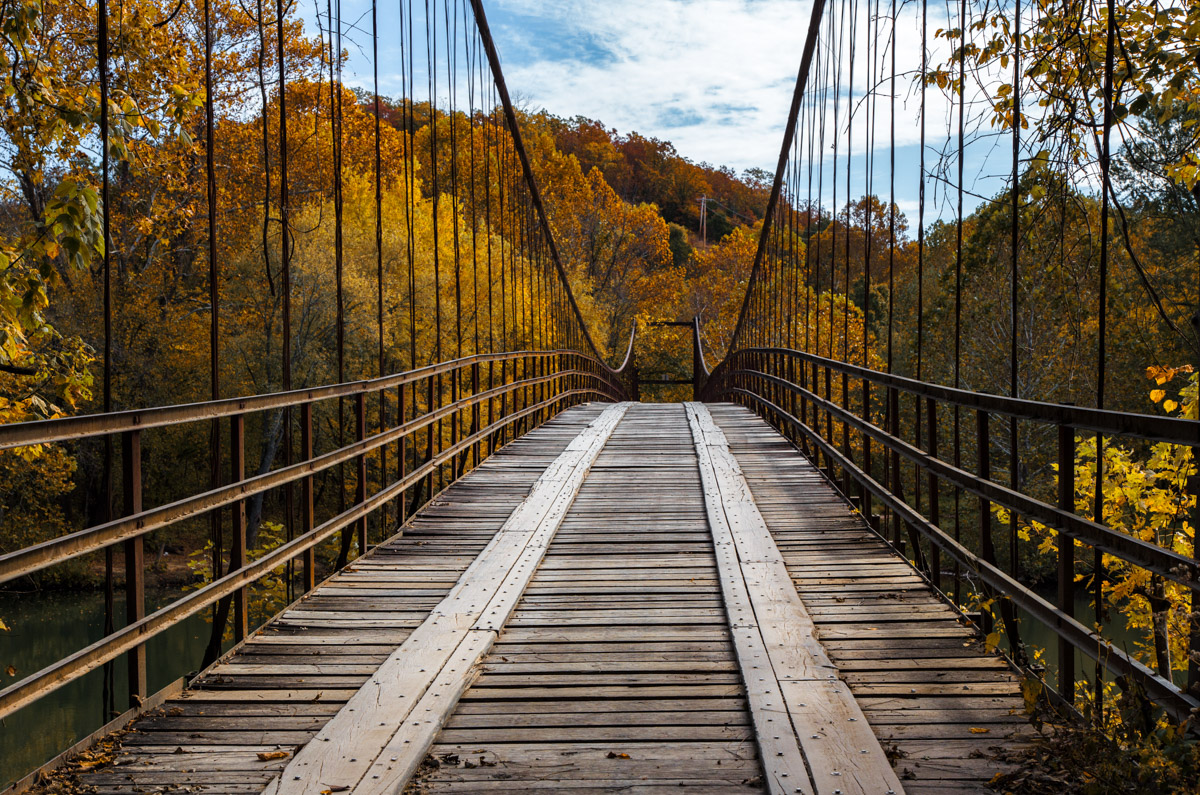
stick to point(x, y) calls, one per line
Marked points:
point(977, 730)
point(266, 756)
point(612, 755)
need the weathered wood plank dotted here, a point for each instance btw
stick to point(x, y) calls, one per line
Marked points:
point(371, 744)
point(789, 676)
point(921, 677)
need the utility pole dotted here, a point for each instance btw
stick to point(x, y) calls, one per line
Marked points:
point(704, 219)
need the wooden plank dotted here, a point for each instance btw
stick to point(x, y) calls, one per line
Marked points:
point(807, 722)
point(922, 678)
point(371, 744)
point(581, 689)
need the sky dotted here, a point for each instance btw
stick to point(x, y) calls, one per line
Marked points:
point(714, 77)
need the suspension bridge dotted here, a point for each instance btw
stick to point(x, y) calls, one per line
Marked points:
point(543, 584)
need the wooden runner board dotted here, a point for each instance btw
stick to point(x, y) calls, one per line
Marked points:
point(938, 700)
point(380, 736)
point(586, 689)
point(813, 735)
point(424, 559)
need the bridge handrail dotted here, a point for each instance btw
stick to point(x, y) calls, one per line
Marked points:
point(1165, 562)
point(779, 383)
point(1171, 430)
point(63, 429)
point(1179, 704)
point(40, 556)
point(135, 634)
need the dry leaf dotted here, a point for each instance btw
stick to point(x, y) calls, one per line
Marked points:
point(977, 730)
point(613, 755)
point(266, 756)
point(11, 671)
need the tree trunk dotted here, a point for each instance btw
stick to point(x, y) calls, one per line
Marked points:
point(270, 448)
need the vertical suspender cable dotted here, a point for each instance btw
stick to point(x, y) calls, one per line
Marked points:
point(286, 277)
point(221, 608)
point(1013, 463)
point(381, 367)
point(958, 261)
point(109, 695)
point(1102, 331)
point(849, 203)
point(921, 195)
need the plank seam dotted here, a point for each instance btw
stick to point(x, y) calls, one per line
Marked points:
point(752, 571)
point(353, 744)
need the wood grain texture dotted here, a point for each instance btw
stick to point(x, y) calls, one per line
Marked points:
point(193, 743)
point(921, 677)
point(648, 652)
point(617, 671)
point(813, 735)
point(378, 738)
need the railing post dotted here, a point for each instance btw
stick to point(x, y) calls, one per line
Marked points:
point(829, 418)
point(893, 396)
point(804, 399)
point(1066, 559)
point(307, 499)
point(864, 492)
point(237, 554)
point(935, 506)
point(430, 448)
point(503, 400)
point(456, 461)
point(526, 392)
point(360, 489)
point(539, 390)
point(491, 408)
point(135, 562)
point(402, 456)
point(476, 409)
point(793, 433)
point(984, 470)
point(846, 449)
point(918, 432)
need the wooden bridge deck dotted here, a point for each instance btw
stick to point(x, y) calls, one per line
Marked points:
point(635, 598)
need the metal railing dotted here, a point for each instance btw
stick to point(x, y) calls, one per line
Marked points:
point(500, 397)
point(859, 437)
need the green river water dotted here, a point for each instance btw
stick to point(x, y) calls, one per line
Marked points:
point(45, 627)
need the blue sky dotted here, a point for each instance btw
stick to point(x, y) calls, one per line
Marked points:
point(714, 77)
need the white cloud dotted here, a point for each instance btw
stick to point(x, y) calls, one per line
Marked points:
point(715, 77)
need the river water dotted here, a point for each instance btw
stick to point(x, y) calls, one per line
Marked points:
point(45, 627)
